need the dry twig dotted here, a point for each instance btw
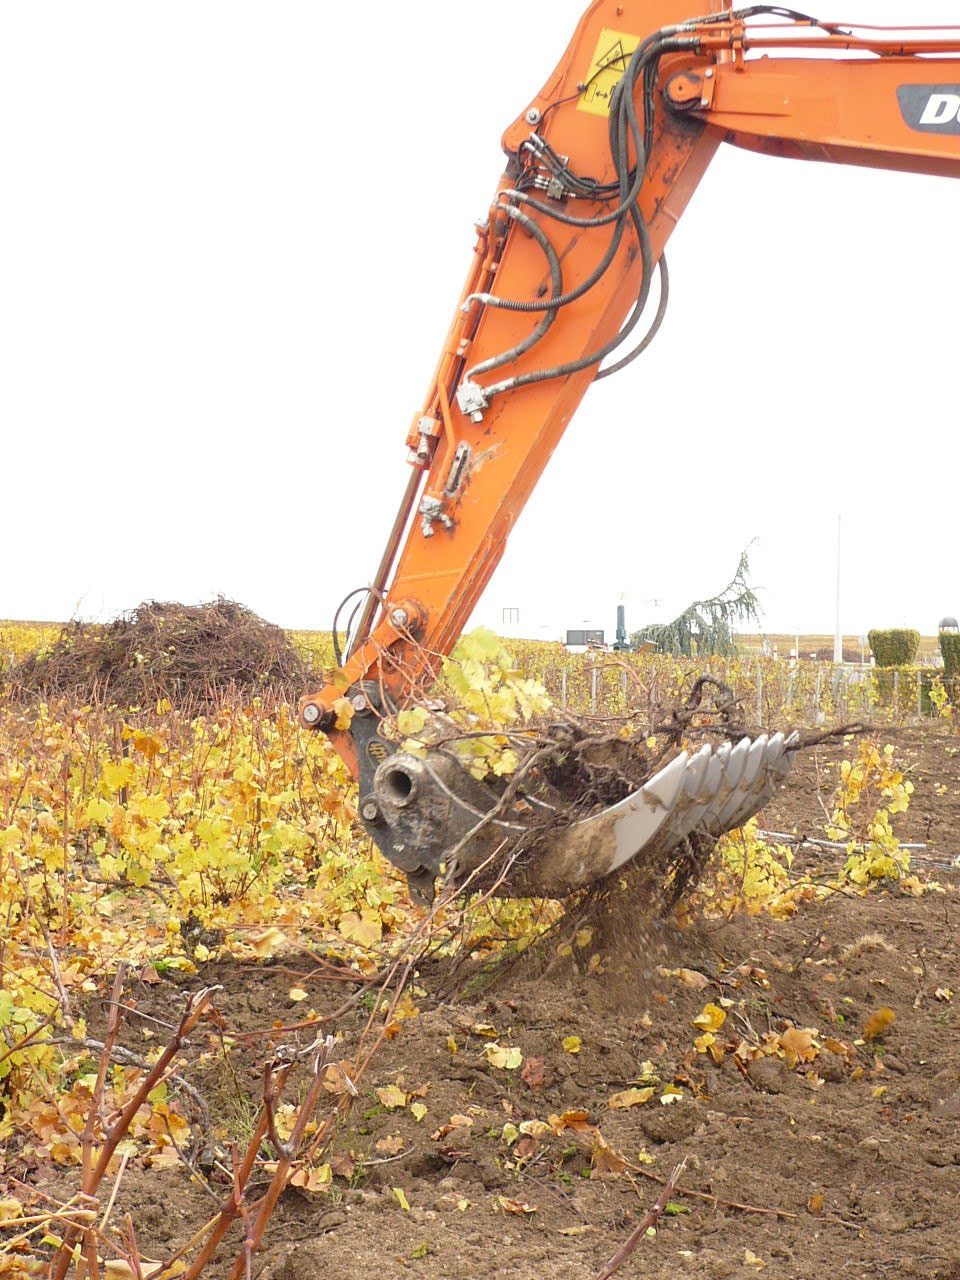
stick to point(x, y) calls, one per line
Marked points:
point(650, 1219)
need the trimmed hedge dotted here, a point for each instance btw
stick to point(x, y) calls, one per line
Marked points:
point(896, 648)
point(950, 649)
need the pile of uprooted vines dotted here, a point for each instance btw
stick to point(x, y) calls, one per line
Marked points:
point(187, 655)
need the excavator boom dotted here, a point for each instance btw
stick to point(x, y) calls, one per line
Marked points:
point(600, 166)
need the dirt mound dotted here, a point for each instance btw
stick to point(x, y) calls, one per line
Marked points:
point(187, 654)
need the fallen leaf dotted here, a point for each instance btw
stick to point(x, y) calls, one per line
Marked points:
point(10, 1208)
point(799, 1045)
point(836, 1046)
point(604, 1161)
point(313, 1179)
point(343, 1164)
point(455, 1122)
point(877, 1023)
point(391, 1097)
point(507, 1057)
point(670, 1095)
point(693, 978)
point(119, 1269)
point(815, 1203)
point(711, 1018)
point(418, 1111)
point(526, 1148)
point(751, 1260)
point(576, 1231)
point(390, 1145)
point(337, 1077)
point(296, 994)
point(576, 1120)
point(571, 1044)
point(515, 1206)
point(402, 1200)
point(630, 1098)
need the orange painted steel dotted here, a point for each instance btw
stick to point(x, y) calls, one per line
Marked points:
point(815, 107)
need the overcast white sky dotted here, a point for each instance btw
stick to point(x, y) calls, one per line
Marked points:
point(231, 240)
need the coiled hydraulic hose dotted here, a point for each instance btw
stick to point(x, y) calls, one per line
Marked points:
point(556, 280)
point(625, 128)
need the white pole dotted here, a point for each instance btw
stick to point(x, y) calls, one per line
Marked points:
point(837, 637)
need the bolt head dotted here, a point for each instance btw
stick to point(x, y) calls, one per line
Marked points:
point(369, 811)
point(311, 713)
point(533, 116)
point(398, 617)
point(359, 702)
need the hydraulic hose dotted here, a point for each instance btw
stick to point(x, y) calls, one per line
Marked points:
point(556, 280)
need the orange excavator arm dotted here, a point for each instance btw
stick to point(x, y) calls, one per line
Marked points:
point(600, 166)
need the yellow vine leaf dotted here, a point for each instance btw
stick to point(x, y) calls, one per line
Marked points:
point(711, 1018)
point(391, 1097)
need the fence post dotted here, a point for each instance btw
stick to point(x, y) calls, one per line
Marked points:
point(919, 697)
point(896, 695)
point(759, 694)
point(816, 697)
point(593, 691)
point(563, 688)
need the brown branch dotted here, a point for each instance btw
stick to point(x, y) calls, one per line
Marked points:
point(737, 1205)
point(650, 1219)
point(711, 1199)
point(94, 1165)
point(231, 1207)
point(287, 1151)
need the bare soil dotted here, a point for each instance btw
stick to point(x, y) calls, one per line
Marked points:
point(848, 1166)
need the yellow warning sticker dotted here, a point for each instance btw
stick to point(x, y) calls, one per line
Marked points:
point(610, 60)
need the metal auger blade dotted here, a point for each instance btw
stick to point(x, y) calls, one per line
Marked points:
point(714, 790)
